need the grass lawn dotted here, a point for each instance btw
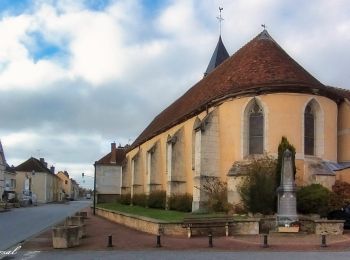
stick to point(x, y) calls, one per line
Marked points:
point(166, 215)
point(160, 214)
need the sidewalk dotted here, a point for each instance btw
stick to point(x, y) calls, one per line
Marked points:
point(124, 238)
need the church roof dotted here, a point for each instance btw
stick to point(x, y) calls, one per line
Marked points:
point(220, 54)
point(261, 66)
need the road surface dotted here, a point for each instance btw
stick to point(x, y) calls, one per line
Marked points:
point(19, 224)
point(183, 255)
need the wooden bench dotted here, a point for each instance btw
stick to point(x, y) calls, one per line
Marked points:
point(208, 223)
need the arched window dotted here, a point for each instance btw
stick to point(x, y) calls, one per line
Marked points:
point(256, 129)
point(309, 130)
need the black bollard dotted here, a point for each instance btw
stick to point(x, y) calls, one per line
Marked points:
point(158, 241)
point(110, 243)
point(210, 237)
point(265, 245)
point(323, 241)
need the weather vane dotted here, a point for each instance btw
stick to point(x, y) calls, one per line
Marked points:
point(220, 19)
point(264, 26)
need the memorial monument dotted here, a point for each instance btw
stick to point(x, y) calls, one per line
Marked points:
point(286, 193)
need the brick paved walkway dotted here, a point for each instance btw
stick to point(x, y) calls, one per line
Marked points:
point(125, 238)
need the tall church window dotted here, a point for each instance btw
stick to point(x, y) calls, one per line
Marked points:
point(256, 129)
point(309, 130)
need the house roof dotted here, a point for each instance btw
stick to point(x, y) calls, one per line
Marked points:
point(220, 54)
point(32, 164)
point(108, 160)
point(261, 66)
point(10, 169)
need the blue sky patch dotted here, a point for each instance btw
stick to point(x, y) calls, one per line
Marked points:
point(97, 5)
point(15, 7)
point(40, 48)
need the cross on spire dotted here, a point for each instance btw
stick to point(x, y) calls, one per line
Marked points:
point(220, 19)
point(264, 26)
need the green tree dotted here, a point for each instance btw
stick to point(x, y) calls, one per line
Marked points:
point(258, 189)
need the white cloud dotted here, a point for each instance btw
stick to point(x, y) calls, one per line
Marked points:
point(118, 60)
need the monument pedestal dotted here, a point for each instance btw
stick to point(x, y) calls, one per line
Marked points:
point(288, 229)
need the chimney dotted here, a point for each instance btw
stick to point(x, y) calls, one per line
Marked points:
point(113, 153)
point(42, 160)
point(52, 169)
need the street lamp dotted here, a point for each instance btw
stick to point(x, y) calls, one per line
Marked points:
point(83, 175)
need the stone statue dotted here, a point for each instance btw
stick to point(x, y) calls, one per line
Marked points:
point(287, 202)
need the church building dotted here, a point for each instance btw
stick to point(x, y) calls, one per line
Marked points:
point(240, 110)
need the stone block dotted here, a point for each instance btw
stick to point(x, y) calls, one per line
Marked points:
point(65, 236)
point(329, 227)
point(75, 220)
point(81, 214)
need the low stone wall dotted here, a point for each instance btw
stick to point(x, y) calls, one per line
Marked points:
point(245, 227)
point(329, 227)
point(144, 224)
point(152, 226)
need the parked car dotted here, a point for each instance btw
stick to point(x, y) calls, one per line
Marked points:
point(342, 214)
point(88, 196)
point(28, 198)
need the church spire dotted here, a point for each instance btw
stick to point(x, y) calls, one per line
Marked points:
point(220, 53)
point(2, 155)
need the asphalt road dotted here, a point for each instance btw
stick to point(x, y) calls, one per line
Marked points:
point(183, 255)
point(21, 223)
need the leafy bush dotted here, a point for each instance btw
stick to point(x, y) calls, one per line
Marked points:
point(284, 145)
point(139, 199)
point(125, 199)
point(314, 199)
point(216, 191)
point(341, 196)
point(258, 189)
point(180, 202)
point(157, 199)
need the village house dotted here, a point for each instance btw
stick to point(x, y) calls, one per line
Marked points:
point(7, 178)
point(34, 176)
point(240, 110)
point(75, 189)
point(2, 172)
point(109, 174)
point(69, 186)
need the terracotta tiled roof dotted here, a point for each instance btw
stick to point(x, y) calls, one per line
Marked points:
point(107, 159)
point(32, 164)
point(343, 92)
point(259, 66)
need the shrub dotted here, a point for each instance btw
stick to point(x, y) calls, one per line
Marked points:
point(342, 189)
point(258, 189)
point(180, 202)
point(139, 199)
point(125, 199)
point(216, 191)
point(313, 198)
point(284, 145)
point(157, 199)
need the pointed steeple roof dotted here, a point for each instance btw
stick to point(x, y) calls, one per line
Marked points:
point(219, 55)
point(261, 66)
point(2, 155)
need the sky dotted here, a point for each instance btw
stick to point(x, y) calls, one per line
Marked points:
point(76, 75)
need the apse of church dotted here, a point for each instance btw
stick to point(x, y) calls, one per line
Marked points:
point(238, 111)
